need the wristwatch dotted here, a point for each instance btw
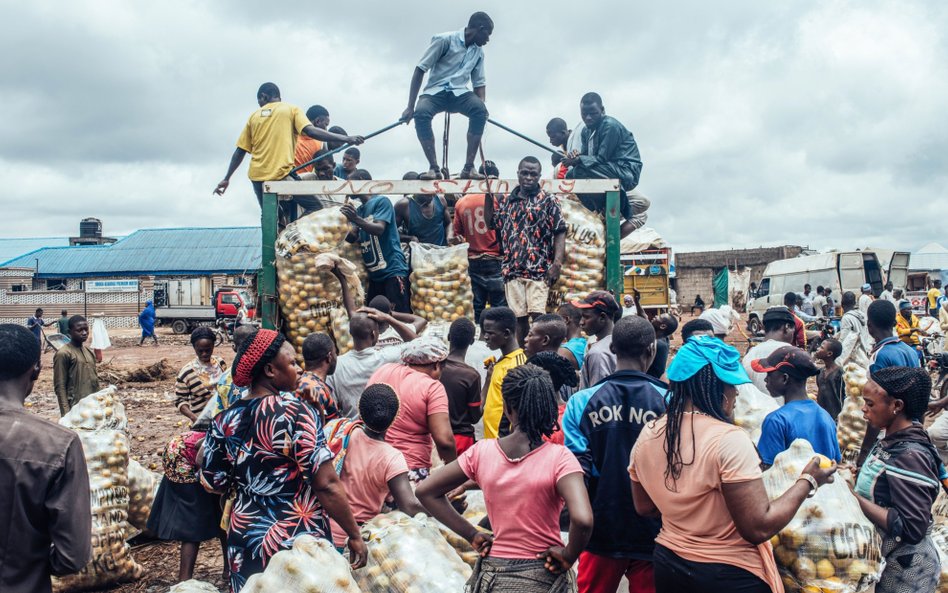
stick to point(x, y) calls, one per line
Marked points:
point(814, 486)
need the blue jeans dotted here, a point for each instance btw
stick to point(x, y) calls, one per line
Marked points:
point(487, 284)
point(468, 104)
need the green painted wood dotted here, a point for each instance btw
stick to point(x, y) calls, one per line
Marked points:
point(267, 279)
point(613, 247)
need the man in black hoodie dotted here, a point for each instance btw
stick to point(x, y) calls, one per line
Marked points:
point(600, 426)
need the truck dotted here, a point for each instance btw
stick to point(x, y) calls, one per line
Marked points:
point(840, 271)
point(647, 272)
point(187, 304)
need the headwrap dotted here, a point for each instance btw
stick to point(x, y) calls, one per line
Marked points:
point(252, 353)
point(424, 350)
point(700, 351)
point(912, 385)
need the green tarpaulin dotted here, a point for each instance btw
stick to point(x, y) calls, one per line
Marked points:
point(720, 287)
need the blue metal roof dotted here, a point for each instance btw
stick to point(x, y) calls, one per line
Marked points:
point(15, 247)
point(161, 252)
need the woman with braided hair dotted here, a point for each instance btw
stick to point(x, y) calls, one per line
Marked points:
point(701, 473)
point(525, 481)
point(901, 477)
point(564, 377)
point(196, 382)
point(269, 449)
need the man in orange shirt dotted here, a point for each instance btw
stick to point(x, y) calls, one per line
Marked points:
point(483, 252)
point(307, 147)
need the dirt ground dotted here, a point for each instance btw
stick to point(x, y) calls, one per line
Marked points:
point(153, 420)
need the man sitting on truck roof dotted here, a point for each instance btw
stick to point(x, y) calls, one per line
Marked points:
point(270, 137)
point(608, 151)
point(350, 162)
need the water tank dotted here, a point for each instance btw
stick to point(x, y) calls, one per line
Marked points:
point(90, 227)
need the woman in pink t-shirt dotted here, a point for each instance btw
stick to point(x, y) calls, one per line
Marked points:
point(702, 475)
point(525, 482)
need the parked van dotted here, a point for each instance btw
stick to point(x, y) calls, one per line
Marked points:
point(840, 271)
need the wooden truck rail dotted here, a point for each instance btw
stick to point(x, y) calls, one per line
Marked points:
point(274, 191)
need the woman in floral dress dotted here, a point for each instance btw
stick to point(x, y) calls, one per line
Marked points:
point(269, 448)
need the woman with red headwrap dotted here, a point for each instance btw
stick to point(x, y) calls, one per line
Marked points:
point(269, 448)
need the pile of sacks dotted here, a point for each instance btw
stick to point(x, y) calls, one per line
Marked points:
point(99, 420)
point(829, 545)
point(310, 295)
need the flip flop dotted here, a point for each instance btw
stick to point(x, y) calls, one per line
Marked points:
point(430, 175)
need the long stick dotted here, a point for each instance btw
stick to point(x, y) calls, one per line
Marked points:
point(345, 146)
point(527, 138)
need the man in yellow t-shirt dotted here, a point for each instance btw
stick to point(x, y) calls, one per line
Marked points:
point(270, 137)
point(906, 325)
point(933, 295)
point(499, 330)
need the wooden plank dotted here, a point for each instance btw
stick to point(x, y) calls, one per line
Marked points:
point(450, 186)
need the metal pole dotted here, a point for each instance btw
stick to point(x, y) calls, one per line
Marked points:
point(527, 138)
point(267, 281)
point(345, 146)
point(613, 245)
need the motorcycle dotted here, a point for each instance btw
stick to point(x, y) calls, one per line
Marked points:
point(819, 330)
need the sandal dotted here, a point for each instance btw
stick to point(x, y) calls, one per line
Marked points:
point(432, 174)
point(470, 173)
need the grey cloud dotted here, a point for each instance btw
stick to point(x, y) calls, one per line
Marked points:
point(759, 123)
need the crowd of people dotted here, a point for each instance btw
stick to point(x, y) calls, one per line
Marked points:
point(585, 408)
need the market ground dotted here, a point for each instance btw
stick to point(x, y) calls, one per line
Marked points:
point(153, 420)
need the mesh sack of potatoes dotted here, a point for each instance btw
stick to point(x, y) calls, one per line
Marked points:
point(851, 425)
point(193, 586)
point(312, 566)
point(409, 555)
point(142, 487)
point(99, 420)
point(585, 263)
point(750, 408)
point(441, 286)
point(306, 252)
point(829, 545)
point(339, 326)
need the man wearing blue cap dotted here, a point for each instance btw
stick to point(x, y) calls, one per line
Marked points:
point(600, 426)
point(865, 299)
point(788, 369)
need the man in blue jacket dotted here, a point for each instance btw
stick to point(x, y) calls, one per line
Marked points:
point(600, 426)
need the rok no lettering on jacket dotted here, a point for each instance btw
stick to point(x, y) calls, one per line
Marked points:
point(600, 426)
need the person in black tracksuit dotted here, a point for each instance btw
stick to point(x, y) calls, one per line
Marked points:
point(601, 425)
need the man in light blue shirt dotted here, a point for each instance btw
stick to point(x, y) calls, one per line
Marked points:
point(454, 61)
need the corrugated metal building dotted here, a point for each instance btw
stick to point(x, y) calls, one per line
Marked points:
point(11, 248)
point(55, 278)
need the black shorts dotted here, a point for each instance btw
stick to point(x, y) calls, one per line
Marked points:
point(396, 289)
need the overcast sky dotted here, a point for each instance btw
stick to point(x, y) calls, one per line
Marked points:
point(821, 123)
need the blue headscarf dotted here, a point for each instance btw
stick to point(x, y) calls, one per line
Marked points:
point(700, 351)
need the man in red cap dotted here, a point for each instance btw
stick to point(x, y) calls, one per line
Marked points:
point(788, 369)
point(599, 311)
